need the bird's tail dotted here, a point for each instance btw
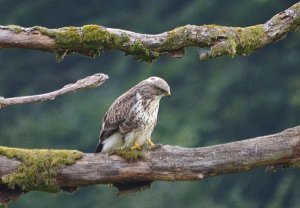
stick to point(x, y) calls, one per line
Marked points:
point(99, 147)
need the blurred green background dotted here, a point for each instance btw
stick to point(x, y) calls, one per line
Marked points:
point(216, 101)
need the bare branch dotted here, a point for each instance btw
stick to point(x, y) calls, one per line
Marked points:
point(89, 82)
point(91, 39)
point(167, 163)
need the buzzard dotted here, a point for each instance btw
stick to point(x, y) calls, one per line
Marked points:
point(130, 120)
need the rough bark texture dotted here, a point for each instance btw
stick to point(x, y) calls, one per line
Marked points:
point(167, 163)
point(88, 82)
point(170, 163)
point(91, 39)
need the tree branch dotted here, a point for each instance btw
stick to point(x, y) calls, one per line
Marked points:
point(89, 82)
point(53, 170)
point(91, 39)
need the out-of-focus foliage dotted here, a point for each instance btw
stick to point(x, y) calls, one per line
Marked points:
point(213, 102)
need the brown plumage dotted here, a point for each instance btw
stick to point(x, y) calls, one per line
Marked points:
point(130, 120)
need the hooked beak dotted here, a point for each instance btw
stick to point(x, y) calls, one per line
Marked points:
point(168, 94)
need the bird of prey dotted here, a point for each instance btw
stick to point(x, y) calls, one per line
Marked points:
point(130, 120)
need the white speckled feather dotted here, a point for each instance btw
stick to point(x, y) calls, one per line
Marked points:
point(132, 117)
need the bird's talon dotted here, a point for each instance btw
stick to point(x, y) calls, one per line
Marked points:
point(156, 146)
point(136, 146)
point(150, 143)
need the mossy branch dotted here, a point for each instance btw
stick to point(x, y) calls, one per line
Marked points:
point(24, 170)
point(87, 82)
point(90, 40)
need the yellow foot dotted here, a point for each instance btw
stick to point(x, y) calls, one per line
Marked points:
point(150, 143)
point(136, 146)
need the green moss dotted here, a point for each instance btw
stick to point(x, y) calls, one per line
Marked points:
point(224, 48)
point(137, 47)
point(38, 168)
point(142, 53)
point(94, 38)
point(250, 38)
point(232, 47)
point(173, 38)
point(231, 41)
point(17, 29)
point(91, 39)
point(129, 155)
point(215, 32)
point(45, 31)
point(69, 36)
point(96, 35)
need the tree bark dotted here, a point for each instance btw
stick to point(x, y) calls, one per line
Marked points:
point(91, 39)
point(171, 163)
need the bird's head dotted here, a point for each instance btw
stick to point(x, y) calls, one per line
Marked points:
point(160, 87)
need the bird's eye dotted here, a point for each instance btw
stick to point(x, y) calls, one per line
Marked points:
point(159, 90)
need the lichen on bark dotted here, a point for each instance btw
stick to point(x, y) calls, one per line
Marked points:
point(88, 40)
point(91, 39)
point(38, 168)
point(233, 40)
point(249, 39)
point(16, 28)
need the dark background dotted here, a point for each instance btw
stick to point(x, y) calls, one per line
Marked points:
point(216, 101)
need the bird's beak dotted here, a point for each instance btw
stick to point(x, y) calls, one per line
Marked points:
point(168, 94)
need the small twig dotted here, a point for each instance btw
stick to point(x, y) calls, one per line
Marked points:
point(88, 82)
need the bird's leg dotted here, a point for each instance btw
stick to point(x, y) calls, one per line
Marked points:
point(150, 143)
point(136, 146)
point(153, 146)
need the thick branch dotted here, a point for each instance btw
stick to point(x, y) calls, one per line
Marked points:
point(88, 82)
point(167, 163)
point(91, 39)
